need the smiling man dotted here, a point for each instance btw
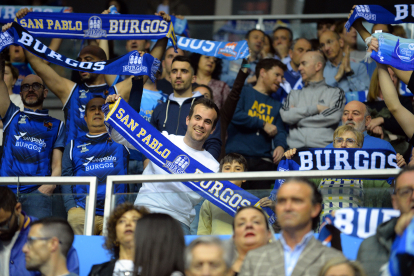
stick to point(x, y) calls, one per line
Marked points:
point(174, 198)
point(256, 123)
point(33, 144)
point(93, 154)
point(298, 207)
point(312, 113)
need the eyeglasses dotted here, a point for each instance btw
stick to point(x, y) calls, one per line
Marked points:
point(31, 240)
point(6, 225)
point(348, 141)
point(26, 87)
point(405, 192)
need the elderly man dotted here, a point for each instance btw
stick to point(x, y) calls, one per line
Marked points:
point(340, 71)
point(356, 115)
point(312, 113)
point(297, 208)
point(206, 256)
point(47, 247)
point(374, 251)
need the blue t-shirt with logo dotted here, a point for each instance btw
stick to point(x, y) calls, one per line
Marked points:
point(29, 139)
point(24, 70)
point(74, 107)
point(94, 155)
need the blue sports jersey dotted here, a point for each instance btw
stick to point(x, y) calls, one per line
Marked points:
point(24, 70)
point(29, 140)
point(96, 155)
point(74, 107)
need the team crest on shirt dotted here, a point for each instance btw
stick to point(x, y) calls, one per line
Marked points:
point(83, 94)
point(179, 164)
point(48, 125)
point(84, 147)
point(135, 64)
point(22, 119)
point(95, 28)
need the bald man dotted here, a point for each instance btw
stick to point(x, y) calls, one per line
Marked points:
point(312, 113)
point(340, 71)
point(357, 115)
point(33, 144)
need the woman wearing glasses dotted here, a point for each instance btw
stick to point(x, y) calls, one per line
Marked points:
point(342, 193)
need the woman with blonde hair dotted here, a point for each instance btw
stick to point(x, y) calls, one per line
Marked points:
point(343, 267)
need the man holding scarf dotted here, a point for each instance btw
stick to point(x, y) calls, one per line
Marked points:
point(75, 96)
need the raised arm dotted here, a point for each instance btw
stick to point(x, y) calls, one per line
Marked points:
point(403, 116)
point(358, 26)
point(4, 94)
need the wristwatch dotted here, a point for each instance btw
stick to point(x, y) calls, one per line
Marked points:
point(350, 73)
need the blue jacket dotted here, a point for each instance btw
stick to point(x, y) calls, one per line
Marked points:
point(174, 122)
point(17, 265)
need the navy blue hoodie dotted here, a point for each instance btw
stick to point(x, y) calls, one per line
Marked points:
point(171, 117)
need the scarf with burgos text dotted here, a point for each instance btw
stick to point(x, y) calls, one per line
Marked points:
point(395, 51)
point(128, 64)
point(8, 13)
point(395, 14)
point(335, 159)
point(357, 222)
point(223, 50)
point(122, 120)
point(101, 26)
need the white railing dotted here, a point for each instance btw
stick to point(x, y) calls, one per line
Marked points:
point(111, 180)
point(90, 204)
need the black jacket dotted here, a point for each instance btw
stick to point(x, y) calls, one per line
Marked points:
point(104, 269)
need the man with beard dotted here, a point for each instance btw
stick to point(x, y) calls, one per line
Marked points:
point(33, 144)
point(75, 96)
point(257, 131)
point(255, 40)
point(93, 154)
point(312, 113)
point(14, 230)
point(357, 115)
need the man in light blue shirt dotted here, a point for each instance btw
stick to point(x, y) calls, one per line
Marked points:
point(339, 70)
point(298, 206)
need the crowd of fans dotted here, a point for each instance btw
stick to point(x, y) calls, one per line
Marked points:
point(229, 115)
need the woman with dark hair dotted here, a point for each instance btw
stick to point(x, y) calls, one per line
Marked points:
point(207, 70)
point(268, 51)
point(159, 246)
point(120, 240)
point(251, 231)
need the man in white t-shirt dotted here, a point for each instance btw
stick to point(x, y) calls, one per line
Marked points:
point(174, 198)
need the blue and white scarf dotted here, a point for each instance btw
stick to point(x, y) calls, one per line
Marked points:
point(102, 26)
point(395, 14)
point(223, 50)
point(335, 159)
point(395, 51)
point(402, 252)
point(128, 64)
point(144, 137)
point(8, 13)
point(356, 222)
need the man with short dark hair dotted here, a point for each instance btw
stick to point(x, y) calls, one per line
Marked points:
point(164, 84)
point(207, 256)
point(255, 40)
point(33, 144)
point(297, 208)
point(14, 229)
point(340, 71)
point(256, 130)
point(312, 113)
point(374, 251)
point(48, 243)
point(323, 25)
point(171, 115)
point(282, 41)
point(94, 154)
